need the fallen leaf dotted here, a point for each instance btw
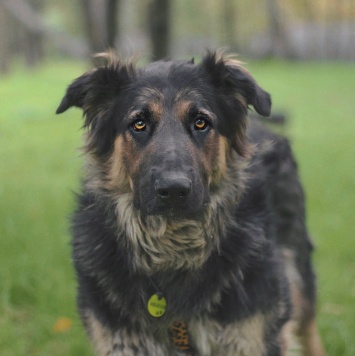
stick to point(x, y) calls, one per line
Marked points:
point(62, 325)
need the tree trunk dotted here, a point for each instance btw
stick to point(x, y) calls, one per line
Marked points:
point(112, 22)
point(100, 18)
point(159, 28)
point(278, 36)
point(4, 44)
point(229, 22)
point(33, 41)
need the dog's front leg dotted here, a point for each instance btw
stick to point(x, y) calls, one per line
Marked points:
point(133, 344)
point(108, 342)
point(242, 338)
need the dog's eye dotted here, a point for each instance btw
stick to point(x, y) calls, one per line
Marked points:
point(139, 125)
point(200, 123)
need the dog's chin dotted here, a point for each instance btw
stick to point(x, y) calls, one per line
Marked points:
point(174, 213)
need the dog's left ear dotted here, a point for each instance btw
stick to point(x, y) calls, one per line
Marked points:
point(234, 79)
point(242, 81)
point(236, 90)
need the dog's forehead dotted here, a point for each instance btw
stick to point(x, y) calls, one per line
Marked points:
point(170, 81)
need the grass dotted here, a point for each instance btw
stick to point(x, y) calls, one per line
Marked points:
point(39, 168)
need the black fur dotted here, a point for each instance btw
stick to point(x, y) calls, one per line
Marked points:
point(259, 215)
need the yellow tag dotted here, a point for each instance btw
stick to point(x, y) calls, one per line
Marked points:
point(156, 306)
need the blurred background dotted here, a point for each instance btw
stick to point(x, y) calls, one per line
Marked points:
point(291, 29)
point(301, 51)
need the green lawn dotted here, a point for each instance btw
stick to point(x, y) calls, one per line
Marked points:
point(40, 167)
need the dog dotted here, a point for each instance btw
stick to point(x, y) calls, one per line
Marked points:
point(189, 237)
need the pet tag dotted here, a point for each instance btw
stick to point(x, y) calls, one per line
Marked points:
point(156, 305)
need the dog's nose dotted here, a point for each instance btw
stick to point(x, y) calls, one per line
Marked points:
point(173, 188)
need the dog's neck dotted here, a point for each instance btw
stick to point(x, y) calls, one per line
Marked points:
point(160, 243)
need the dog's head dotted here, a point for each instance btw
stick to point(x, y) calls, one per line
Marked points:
point(166, 131)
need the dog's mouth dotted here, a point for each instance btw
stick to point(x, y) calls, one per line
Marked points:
point(186, 212)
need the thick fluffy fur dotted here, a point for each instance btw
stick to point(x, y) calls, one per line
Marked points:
point(185, 197)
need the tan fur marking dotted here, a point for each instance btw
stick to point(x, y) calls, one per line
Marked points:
point(182, 108)
point(100, 336)
point(244, 338)
point(117, 175)
point(219, 170)
point(132, 157)
point(110, 175)
point(300, 335)
point(156, 108)
point(289, 339)
point(311, 340)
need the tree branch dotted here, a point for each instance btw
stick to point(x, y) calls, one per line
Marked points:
point(35, 23)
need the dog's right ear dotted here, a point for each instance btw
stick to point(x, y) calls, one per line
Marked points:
point(100, 85)
point(76, 93)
